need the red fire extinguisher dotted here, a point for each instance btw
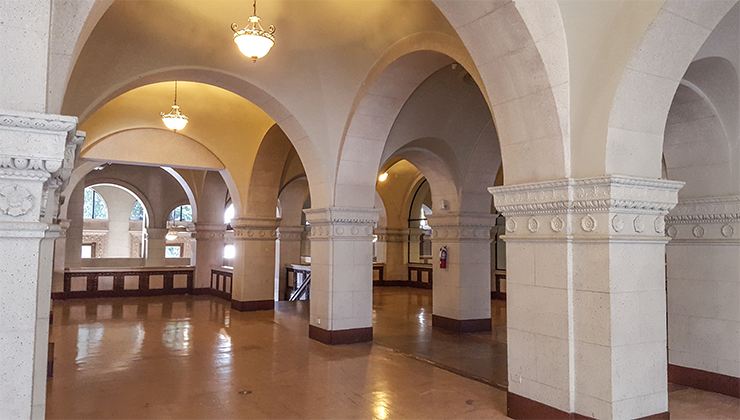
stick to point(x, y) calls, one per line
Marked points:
point(443, 257)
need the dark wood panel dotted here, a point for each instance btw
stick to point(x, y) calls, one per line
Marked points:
point(707, 381)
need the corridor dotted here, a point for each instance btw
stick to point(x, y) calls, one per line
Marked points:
point(192, 357)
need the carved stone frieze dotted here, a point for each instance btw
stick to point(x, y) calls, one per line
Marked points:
point(207, 231)
point(290, 233)
point(341, 223)
point(590, 195)
point(40, 122)
point(463, 226)
point(557, 224)
point(257, 229)
point(706, 210)
point(392, 235)
point(15, 200)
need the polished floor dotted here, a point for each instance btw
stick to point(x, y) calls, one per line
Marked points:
point(192, 357)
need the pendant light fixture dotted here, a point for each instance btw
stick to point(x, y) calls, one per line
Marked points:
point(174, 120)
point(253, 41)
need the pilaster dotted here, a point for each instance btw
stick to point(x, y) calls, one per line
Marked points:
point(254, 265)
point(585, 299)
point(703, 264)
point(290, 252)
point(462, 290)
point(37, 152)
point(394, 241)
point(341, 274)
point(208, 251)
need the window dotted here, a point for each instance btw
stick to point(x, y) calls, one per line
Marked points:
point(229, 214)
point(88, 251)
point(94, 206)
point(173, 251)
point(229, 252)
point(137, 211)
point(182, 214)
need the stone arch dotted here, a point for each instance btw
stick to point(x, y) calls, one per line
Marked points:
point(132, 189)
point(292, 196)
point(436, 170)
point(272, 107)
point(185, 187)
point(520, 51)
point(637, 119)
point(390, 82)
point(264, 183)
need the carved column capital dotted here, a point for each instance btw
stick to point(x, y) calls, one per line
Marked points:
point(341, 223)
point(255, 228)
point(290, 233)
point(607, 206)
point(207, 231)
point(705, 219)
point(462, 226)
point(392, 234)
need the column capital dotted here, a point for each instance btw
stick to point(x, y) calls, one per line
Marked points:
point(156, 233)
point(462, 226)
point(607, 206)
point(255, 228)
point(201, 231)
point(392, 234)
point(290, 233)
point(705, 219)
point(341, 223)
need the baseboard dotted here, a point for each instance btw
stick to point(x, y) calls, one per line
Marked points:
point(704, 380)
point(522, 408)
point(461, 326)
point(401, 283)
point(252, 305)
point(354, 335)
point(93, 294)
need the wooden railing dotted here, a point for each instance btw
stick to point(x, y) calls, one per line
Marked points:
point(222, 281)
point(295, 276)
point(120, 282)
point(420, 275)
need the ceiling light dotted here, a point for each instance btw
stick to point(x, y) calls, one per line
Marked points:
point(253, 41)
point(174, 120)
point(383, 176)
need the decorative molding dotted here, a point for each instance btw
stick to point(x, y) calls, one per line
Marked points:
point(510, 225)
point(15, 200)
point(639, 224)
point(557, 224)
point(672, 231)
point(589, 195)
point(727, 231)
point(341, 223)
point(392, 235)
point(706, 210)
point(290, 233)
point(468, 226)
point(588, 223)
point(41, 122)
point(659, 224)
point(698, 231)
point(533, 225)
point(255, 228)
point(617, 223)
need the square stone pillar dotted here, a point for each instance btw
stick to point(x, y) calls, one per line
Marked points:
point(208, 251)
point(703, 264)
point(253, 287)
point(586, 314)
point(37, 153)
point(341, 274)
point(461, 292)
point(290, 252)
point(155, 252)
point(396, 257)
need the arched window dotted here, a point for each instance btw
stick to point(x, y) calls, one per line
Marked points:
point(137, 211)
point(182, 213)
point(229, 213)
point(94, 206)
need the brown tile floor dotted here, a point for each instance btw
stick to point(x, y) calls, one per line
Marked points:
point(192, 357)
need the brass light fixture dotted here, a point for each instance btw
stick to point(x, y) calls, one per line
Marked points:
point(174, 120)
point(383, 176)
point(253, 41)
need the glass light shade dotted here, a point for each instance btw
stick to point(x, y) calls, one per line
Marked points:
point(171, 235)
point(174, 120)
point(253, 41)
point(383, 176)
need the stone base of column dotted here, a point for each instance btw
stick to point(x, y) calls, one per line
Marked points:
point(353, 335)
point(518, 407)
point(461, 325)
point(707, 381)
point(253, 305)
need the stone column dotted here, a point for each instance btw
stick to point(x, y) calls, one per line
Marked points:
point(208, 250)
point(60, 251)
point(586, 296)
point(341, 274)
point(73, 244)
point(36, 155)
point(155, 247)
point(396, 259)
point(703, 263)
point(462, 291)
point(290, 252)
point(254, 265)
